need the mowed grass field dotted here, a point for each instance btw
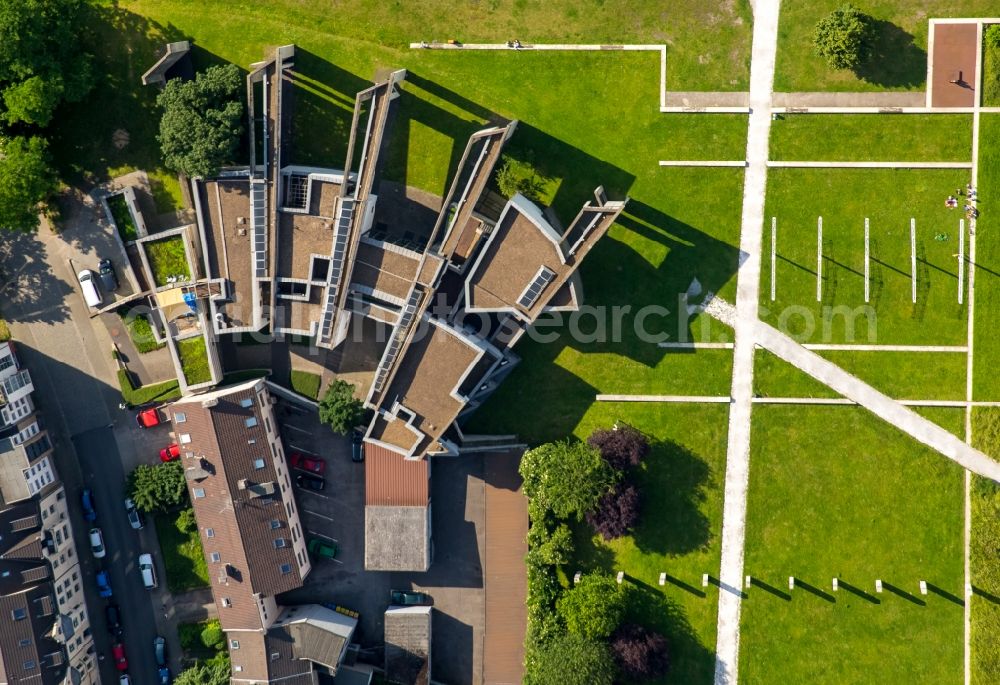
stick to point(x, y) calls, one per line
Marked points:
point(834, 492)
point(680, 523)
point(889, 198)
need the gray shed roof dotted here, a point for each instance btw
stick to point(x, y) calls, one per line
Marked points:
point(408, 644)
point(397, 538)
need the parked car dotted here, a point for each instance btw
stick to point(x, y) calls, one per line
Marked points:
point(114, 617)
point(88, 286)
point(118, 654)
point(134, 516)
point(87, 501)
point(97, 543)
point(163, 675)
point(304, 480)
point(147, 571)
point(321, 549)
point(123, 679)
point(357, 446)
point(307, 462)
point(151, 416)
point(170, 452)
point(409, 598)
point(109, 281)
point(160, 651)
point(103, 584)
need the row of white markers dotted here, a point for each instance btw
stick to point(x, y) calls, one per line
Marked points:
point(913, 259)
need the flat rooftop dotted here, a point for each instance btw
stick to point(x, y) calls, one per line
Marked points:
point(300, 236)
point(226, 212)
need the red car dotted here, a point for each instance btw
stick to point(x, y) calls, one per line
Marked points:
point(307, 462)
point(170, 452)
point(148, 418)
point(118, 653)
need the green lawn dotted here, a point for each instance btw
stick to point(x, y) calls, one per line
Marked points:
point(901, 375)
point(877, 505)
point(844, 198)
point(678, 533)
point(872, 137)
point(984, 567)
point(306, 383)
point(141, 333)
point(901, 49)
point(194, 360)
point(167, 257)
point(987, 298)
point(182, 556)
point(991, 70)
point(158, 392)
point(123, 218)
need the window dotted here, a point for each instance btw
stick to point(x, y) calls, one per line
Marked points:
point(180, 417)
point(25, 642)
point(185, 438)
point(215, 557)
point(198, 493)
point(29, 665)
point(246, 403)
point(19, 614)
point(251, 422)
point(258, 463)
point(234, 644)
point(267, 425)
point(226, 602)
point(275, 524)
point(275, 656)
point(210, 532)
point(237, 669)
point(280, 543)
point(286, 568)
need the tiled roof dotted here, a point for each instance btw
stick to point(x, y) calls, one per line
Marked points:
point(391, 480)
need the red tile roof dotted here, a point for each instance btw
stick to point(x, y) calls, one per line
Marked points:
point(391, 480)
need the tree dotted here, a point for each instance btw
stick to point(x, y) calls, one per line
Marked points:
point(568, 478)
point(26, 181)
point(202, 120)
point(622, 446)
point(845, 38)
point(212, 636)
point(216, 671)
point(594, 607)
point(616, 512)
point(41, 63)
point(515, 177)
point(339, 408)
point(186, 521)
point(552, 549)
point(157, 488)
point(640, 654)
point(570, 660)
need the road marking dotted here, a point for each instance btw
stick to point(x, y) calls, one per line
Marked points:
point(322, 516)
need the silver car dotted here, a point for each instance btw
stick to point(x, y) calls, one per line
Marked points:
point(97, 543)
point(134, 517)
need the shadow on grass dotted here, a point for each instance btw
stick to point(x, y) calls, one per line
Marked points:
point(673, 580)
point(770, 589)
point(977, 591)
point(691, 661)
point(896, 61)
point(812, 589)
point(672, 481)
point(900, 592)
point(858, 592)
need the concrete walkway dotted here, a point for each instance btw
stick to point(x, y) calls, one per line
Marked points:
point(765, 40)
point(866, 165)
point(883, 99)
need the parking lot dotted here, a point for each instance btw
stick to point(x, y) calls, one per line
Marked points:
point(455, 580)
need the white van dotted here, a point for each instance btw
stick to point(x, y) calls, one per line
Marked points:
point(147, 571)
point(88, 284)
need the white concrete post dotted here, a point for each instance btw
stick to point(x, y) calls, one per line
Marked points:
point(836, 584)
point(576, 577)
point(791, 582)
point(748, 581)
point(923, 587)
point(621, 577)
point(878, 585)
point(913, 258)
point(961, 259)
point(774, 248)
point(867, 269)
point(704, 580)
point(819, 259)
point(663, 579)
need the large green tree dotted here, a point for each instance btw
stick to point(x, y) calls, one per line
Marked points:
point(845, 38)
point(570, 660)
point(339, 409)
point(26, 180)
point(567, 478)
point(594, 607)
point(202, 120)
point(158, 488)
point(216, 671)
point(41, 63)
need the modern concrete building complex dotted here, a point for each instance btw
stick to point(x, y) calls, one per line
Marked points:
point(45, 633)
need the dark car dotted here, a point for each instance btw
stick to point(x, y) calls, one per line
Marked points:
point(87, 501)
point(409, 598)
point(321, 549)
point(109, 280)
point(160, 651)
point(163, 675)
point(307, 462)
point(357, 446)
point(304, 480)
point(103, 584)
point(114, 617)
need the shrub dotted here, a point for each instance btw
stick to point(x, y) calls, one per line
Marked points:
point(513, 177)
point(565, 477)
point(639, 653)
point(157, 488)
point(616, 513)
point(212, 635)
point(622, 446)
point(845, 38)
point(594, 607)
point(339, 408)
point(550, 549)
point(992, 36)
point(4, 331)
point(186, 521)
point(570, 660)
